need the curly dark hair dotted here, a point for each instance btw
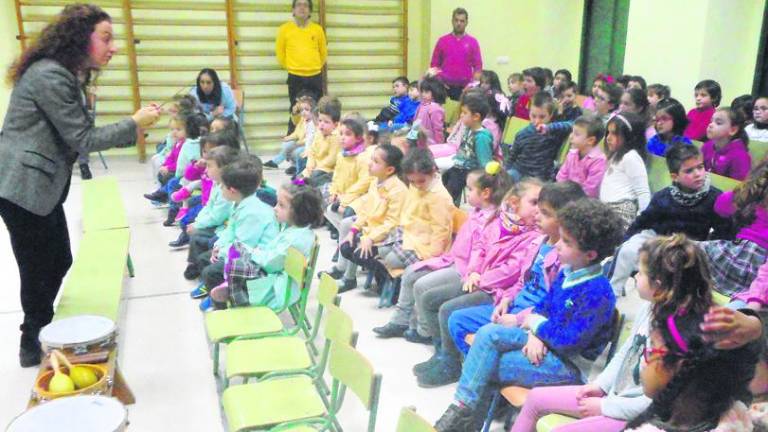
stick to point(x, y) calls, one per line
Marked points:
point(306, 205)
point(706, 379)
point(65, 40)
point(594, 226)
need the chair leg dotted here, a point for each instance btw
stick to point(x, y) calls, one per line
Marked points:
point(491, 409)
point(103, 161)
point(216, 358)
point(129, 264)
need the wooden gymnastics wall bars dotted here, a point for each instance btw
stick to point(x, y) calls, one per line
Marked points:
point(163, 44)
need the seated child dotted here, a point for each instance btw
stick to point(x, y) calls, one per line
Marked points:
point(476, 148)
point(734, 263)
point(726, 152)
point(491, 86)
point(430, 115)
point(670, 122)
point(325, 147)
point(693, 385)
point(198, 179)
point(401, 107)
point(167, 170)
point(211, 220)
point(758, 129)
point(444, 153)
point(304, 128)
point(447, 272)
point(563, 77)
point(537, 268)
point(687, 207)
point(585, 162)
point(657, 93)
point(252, 222)
point(638, 82)
point(567, 110)
point(635, 100)
point(350, 177)
point(565, 332)
point(707, 94)
point(533, 82)
point(533, 153)
point(426, 220)
point(625, 183)
point(607, 100)
point(515, 88)
point(377, 220)
point(185, 104)
point(672, 275)
point(600, 81)
point(256, 275)
point(405, 119)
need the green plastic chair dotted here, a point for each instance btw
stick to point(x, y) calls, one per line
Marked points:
point(409, 421)
point(223, 326)
point(452, 110)
point(298, 310)
point(724, 183)
point(658, 173)
point(253, 357)
point(758, 150)
point(513, 126)
point(289, 403)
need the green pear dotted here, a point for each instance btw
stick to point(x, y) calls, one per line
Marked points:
point(82, 377)
point(61, 383)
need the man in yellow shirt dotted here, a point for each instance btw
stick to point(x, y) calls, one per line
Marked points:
point(301, 50)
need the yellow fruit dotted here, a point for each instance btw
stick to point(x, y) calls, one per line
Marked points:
point(61, 383)
point(82, 377)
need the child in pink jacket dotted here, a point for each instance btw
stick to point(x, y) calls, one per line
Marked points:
point(505, 245)
point(430, 115)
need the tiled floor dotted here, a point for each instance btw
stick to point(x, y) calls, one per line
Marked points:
point(164, 352)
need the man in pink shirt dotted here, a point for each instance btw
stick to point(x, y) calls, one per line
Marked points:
point(456, 56)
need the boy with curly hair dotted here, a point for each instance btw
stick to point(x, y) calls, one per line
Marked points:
point(558, 341)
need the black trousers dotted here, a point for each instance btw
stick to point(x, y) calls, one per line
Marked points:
point(455, 180)
point(199, 242)
point(42, 250)
point(454, 92)
point(298, 84)
point(347, 250)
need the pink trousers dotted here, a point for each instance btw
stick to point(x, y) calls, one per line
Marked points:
point(542, 401)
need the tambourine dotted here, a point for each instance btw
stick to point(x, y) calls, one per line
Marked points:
point(74, 414)
point(78, 334)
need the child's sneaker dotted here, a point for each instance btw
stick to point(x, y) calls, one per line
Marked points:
point(182, 212)
point(270, 164)
point(200, 292)
point(206, 305)
point(181, 241)
point(180, 195)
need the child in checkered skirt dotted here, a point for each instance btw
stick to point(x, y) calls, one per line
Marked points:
point(735, 263)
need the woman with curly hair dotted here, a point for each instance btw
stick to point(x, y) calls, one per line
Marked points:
point(47, 126)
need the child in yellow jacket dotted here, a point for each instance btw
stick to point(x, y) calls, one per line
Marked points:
point(322, 152)
point(376, 220)
point(350, 177)
point(303, 134)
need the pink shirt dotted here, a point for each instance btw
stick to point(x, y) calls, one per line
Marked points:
point(431, 117)
point(206, 184)
point(757, 231)
point(465, 249)
point(503, 260)
point(523, 107)
point(698, 120)
point(587, 171)
point(732, 161)
point(458, 58)
point(173, 156)
point(758, 291)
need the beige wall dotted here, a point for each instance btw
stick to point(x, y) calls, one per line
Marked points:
point(695, 40)
point(9, 49)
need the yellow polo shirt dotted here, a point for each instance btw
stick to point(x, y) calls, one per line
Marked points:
point(301, 50)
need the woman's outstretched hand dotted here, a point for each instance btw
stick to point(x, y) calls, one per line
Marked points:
point(147, 116)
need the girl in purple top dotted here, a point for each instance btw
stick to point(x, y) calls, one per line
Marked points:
point(708, 95)
point(735, 263)
point(430, 115)
point(726, 152)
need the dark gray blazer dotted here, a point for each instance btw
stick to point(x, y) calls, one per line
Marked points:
point(46, 125)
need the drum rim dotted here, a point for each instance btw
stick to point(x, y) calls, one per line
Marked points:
point(58, 344)
point(68, 400)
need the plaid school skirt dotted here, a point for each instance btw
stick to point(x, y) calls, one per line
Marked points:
point(237, 272)
point(407, 257)
point(626, 209)
point(733, 263)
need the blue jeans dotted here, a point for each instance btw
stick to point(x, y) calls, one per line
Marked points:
point(192, 212)
point(466, 321)
point(514, 174)
point(497, 355)
point(286, 152)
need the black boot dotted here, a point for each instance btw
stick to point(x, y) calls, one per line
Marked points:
point(457, 418)
point(181, 241)
point(157, 196)
point(171, 219)
point(30, 351)
point(424, 366)
point(85, 172)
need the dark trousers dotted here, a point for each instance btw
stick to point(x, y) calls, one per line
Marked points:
point(313, 85)
point(454, 92)
point(199, 242)
point(380, 273)
point(42, 250)
point(455, 180)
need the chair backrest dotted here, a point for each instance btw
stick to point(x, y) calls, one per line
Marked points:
point(724, 183)
point(338, 325)
point(513, 126)
point(459, 217)
point(617, 324)
point(296, 270)
point(350, 369)
point(451, 108)
point(409, 421)
point(720, 299)
point(658, 173)
point(758, 150)
point(327, 290)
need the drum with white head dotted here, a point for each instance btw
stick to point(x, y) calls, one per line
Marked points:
point(74, 414)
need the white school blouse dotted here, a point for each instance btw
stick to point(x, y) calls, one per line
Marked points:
point(626, 179)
